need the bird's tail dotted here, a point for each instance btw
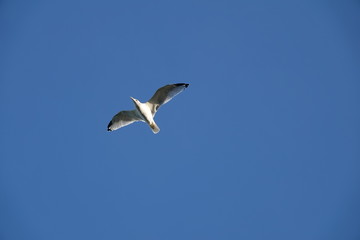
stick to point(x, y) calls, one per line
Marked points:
point(154, 127)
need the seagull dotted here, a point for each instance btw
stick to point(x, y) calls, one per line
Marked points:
point(145, 112)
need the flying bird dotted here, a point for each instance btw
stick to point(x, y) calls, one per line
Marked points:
point(145, 112)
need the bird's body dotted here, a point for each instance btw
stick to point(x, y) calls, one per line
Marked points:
point(145, 112)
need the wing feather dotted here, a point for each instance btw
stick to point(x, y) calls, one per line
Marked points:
point(164, 95)
point(123, 119)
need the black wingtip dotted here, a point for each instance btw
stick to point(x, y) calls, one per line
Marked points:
point(108, 127)
point(182, 84)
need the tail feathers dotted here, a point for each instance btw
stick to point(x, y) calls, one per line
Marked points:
point(154, 127)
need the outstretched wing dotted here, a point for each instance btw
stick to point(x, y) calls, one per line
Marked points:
point(123, 119)
point(165, 94)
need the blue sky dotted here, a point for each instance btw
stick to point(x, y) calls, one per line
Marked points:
point(264, 144)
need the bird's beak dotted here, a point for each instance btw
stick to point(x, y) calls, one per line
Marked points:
point(132, 99)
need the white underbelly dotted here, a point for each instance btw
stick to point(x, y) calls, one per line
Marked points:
point(146, 113)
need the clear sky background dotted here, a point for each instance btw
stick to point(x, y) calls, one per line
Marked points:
point(264, 144)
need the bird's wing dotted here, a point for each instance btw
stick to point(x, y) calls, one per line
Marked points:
point(165, 94)
point(123, 119)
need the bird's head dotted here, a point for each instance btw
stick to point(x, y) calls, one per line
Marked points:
point(136, 102)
